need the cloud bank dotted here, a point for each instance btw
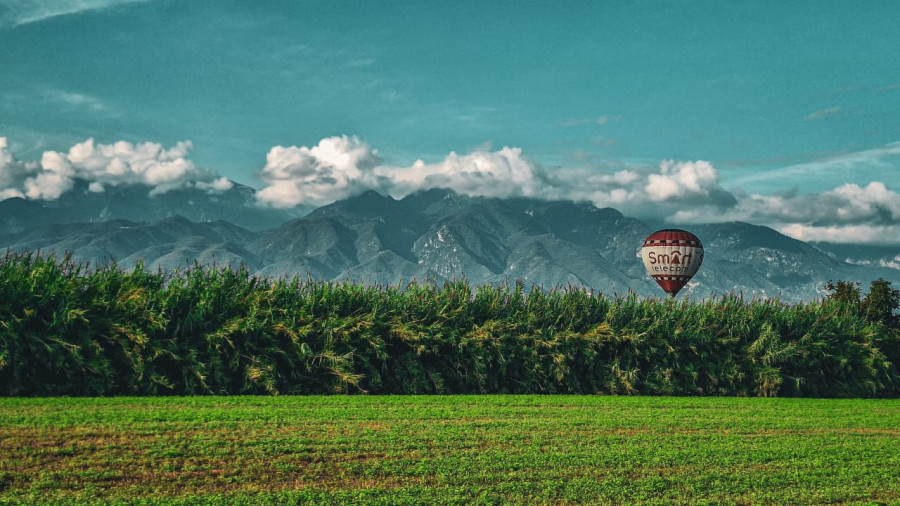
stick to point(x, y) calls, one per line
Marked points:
point(339, 167)
point(675, 192)
point(102, 165)
point(342, 166)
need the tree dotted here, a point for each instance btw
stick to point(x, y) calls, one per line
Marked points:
point(844, 291)
point(880, 304)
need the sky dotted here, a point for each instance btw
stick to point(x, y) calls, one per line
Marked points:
point(785, 114)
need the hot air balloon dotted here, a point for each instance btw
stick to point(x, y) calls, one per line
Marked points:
point(672, 257)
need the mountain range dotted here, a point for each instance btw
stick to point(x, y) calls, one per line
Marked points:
point(431, 235)
point(135, 202)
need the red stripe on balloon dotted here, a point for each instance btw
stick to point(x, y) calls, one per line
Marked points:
point(672, 237)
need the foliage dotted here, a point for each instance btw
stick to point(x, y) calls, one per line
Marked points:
point(66, 329)
point(881, 304)
point(844, 291)
point(448, 450)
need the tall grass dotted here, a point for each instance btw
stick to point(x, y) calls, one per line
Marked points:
point(66, 329)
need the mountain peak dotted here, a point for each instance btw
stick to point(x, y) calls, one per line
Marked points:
point(367, 205)
point(371, 195)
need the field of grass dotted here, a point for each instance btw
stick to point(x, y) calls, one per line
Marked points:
point(449, 449)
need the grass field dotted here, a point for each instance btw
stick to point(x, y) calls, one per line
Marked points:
point(449, 449)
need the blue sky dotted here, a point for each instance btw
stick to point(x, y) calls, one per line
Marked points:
point(778, 113)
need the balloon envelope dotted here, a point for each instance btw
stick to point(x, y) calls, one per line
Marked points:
point(672, 257)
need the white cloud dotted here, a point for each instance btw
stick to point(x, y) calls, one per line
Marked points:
point(682, 179)
point(101, 165)
point(504, 173)
point(876, 234)
point(47, 186)
point(219, 185)
point(11, 193)
point(853, 203)
point(336, 168)
point(22, 12)
point(893, 264)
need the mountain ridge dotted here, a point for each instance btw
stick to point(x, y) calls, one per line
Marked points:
point(440, 235)
point(136, 202)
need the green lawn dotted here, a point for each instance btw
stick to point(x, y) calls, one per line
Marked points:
point(449, 449)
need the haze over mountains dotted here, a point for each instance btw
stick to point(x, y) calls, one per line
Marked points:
point(429, 235)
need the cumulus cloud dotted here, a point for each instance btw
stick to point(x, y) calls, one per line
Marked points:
point(334, 169)
point(697, 181)
point(218, 185)
point(503, 173)
point(102, 165)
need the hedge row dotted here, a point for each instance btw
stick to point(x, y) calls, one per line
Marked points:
point(67, 329)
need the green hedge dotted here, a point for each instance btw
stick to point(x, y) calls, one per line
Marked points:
point(66, 329)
